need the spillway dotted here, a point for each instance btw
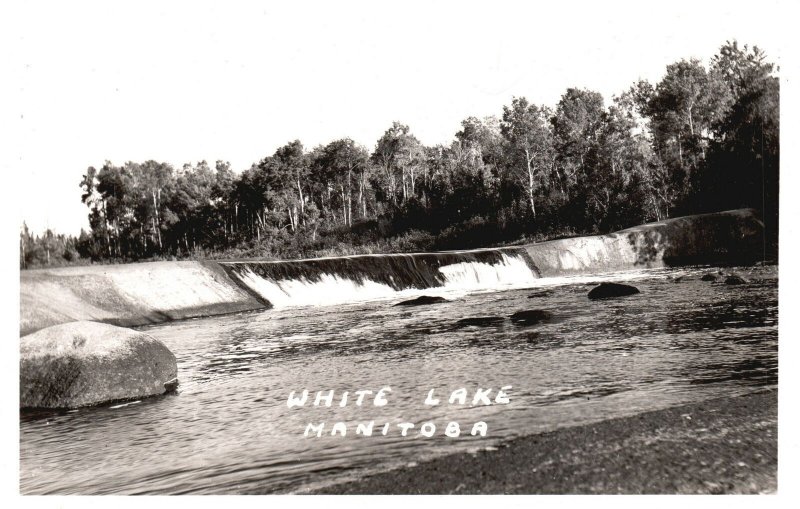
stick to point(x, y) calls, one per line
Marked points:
point(143, 293)
point(324, 281)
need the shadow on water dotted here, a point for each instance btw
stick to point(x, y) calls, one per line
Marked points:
point(757, 371)
point(728, 315)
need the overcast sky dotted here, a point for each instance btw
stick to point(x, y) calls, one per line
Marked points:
point(181, 82)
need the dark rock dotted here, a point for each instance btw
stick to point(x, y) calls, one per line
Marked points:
point(480, 321)
point(610, 290)
point(733, 279)
point(531, 317)
point(422, 301)
point(542, 293)
point(86, 363)
point(709, 277)
point(171, 385)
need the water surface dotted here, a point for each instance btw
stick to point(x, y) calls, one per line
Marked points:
point(228, 428)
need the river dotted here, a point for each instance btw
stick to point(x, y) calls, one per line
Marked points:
point(229, 430)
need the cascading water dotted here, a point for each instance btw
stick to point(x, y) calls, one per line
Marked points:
point(326, 281)
point(512, 271)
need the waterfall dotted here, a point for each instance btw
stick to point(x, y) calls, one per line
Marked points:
point(328, 281)
point(511, 271)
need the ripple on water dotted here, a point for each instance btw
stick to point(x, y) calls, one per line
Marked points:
point(228, 428)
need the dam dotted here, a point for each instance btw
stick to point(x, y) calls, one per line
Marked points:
point(153, 292)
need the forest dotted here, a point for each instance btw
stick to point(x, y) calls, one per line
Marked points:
point(704, 138)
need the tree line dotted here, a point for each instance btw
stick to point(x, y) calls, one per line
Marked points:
point(704, 138)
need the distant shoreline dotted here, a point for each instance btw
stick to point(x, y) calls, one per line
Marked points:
point(724, 445)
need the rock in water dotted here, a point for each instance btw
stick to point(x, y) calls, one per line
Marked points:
point(422, 301)
point(609, 290)
point(531, 317)
point(86, 363)
point(733, 279)
point(480, 321)
point(709, 277)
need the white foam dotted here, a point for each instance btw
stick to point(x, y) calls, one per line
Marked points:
point(511, 272)
point(330, 289)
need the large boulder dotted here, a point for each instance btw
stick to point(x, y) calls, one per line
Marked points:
point(610, 290)
point(85, 363)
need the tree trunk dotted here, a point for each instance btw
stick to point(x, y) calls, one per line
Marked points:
point(156, 220)
point(302, 205)
point(361, 201)
point(344, 204)
point(530, 181)
point(349, 197)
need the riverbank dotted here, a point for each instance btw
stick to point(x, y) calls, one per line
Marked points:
point(725, 445)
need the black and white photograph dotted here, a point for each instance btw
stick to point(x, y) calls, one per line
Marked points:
point(397, 248)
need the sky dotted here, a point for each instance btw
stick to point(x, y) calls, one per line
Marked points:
point(182, 82)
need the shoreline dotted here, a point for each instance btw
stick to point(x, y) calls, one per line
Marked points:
point(722, 445)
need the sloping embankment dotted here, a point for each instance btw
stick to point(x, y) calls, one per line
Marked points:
point(142, 293)
point(725, 238)
point(128, 294)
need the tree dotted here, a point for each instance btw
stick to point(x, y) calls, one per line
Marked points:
point(399, 154)
point(339, 163)
point(25, 246)
point(577, 124)
point(744, 166)
point(526, 129)
point(655, 194)
point(189, 213)
point(154, 182)
point(223, 199)
point(293, 166)
point(684, 106)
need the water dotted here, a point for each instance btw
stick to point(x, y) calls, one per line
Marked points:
point(359, 278)
point(229, 430)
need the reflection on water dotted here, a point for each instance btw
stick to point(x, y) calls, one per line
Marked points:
point(229, 430)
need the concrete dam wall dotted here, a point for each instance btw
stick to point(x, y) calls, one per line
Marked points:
point(142, 293)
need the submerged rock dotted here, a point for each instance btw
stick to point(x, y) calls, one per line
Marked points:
point(531, 317)
point(610, 290)
point(709, 277)
point(480, 321)
point(733, 279)
point(542, 293)
point(86, 363)
point(422, 301)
